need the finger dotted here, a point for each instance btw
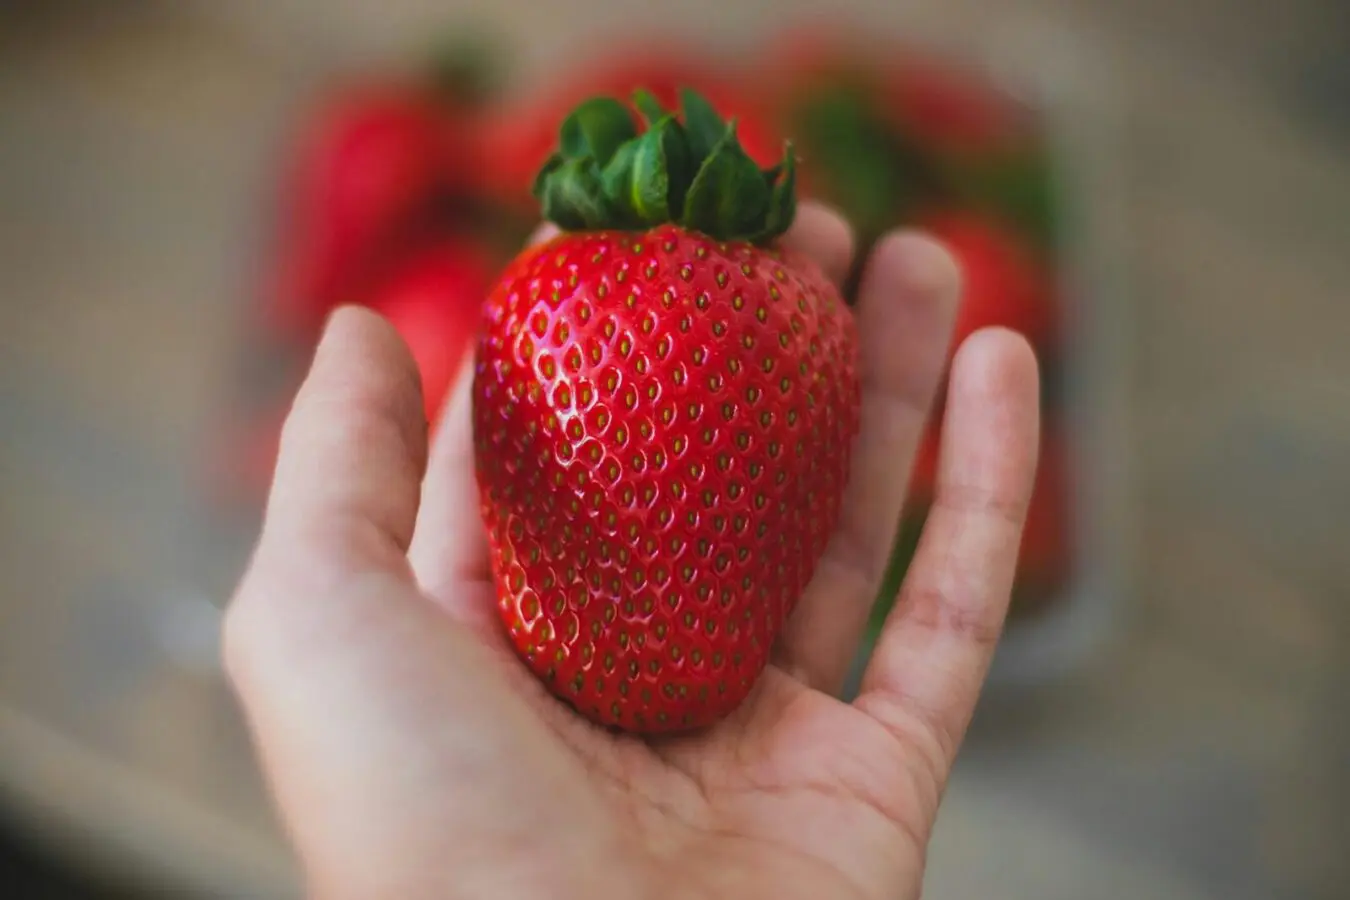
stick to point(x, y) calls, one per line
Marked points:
point(449, 552)
point(906, 309)
point(352, 450)
point(936, 644)
point(825, 236)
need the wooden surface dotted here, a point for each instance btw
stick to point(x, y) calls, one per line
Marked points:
point(1198, 758)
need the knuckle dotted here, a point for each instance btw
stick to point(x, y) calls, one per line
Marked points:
point(971, 500)
point(256, 617)
point(925, 738)
point(863, 557)
point(957, 609)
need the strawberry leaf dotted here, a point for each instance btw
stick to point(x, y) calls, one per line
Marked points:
point(644, 180)
point(573, 196)
point(704, 126)
point(551, 165)
point(660, 172)
point(729, 196)
point(617, 184)
point(783, 196)
point(650, 108)
point(695, 174)
point(596, 129)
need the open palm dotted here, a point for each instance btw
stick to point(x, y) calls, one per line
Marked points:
point(412, 755)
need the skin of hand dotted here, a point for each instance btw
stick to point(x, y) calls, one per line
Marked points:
point(412, 756)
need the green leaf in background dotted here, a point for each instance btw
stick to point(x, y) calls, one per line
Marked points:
point(467, 66)
point(902, 554)
point(1021, 188)
point(863, 163)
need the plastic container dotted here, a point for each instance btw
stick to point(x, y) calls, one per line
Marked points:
point(1054, 75)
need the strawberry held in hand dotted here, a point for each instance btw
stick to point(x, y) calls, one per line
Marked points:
point(664, 407)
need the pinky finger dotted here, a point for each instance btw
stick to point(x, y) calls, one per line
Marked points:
point(935, 647)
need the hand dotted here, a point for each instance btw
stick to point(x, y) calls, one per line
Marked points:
point(412, 756)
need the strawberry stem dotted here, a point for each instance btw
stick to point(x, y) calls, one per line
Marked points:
point(687, 170)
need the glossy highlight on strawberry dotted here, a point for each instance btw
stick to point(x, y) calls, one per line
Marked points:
point(663, 421)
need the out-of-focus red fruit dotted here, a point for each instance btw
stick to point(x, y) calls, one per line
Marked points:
point(1003, 283)
point(364, 173)
point(1047, 551)
point(1046, 556)
point(923, 473)
point(944, 105)
point(434, 299)
point(952, 109)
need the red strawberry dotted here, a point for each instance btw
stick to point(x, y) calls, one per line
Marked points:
point(435, 300)
point(944, 105)
point(1002, 281)
point(1047, 539)
point(364, 173)
point(664, 403)
point(923, 473)
point(951, 109)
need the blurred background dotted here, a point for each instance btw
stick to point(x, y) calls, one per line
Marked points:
point(1158, 193)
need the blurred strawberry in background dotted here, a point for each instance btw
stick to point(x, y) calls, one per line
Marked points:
point(1002, 281)
point(1046, 560)
point(432, 296)
point(365, 172)
point(370, 169)
point(890, 133)
point(923, 475)
point(433, 299)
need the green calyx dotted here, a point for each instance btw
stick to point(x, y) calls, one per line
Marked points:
point(689, 171)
